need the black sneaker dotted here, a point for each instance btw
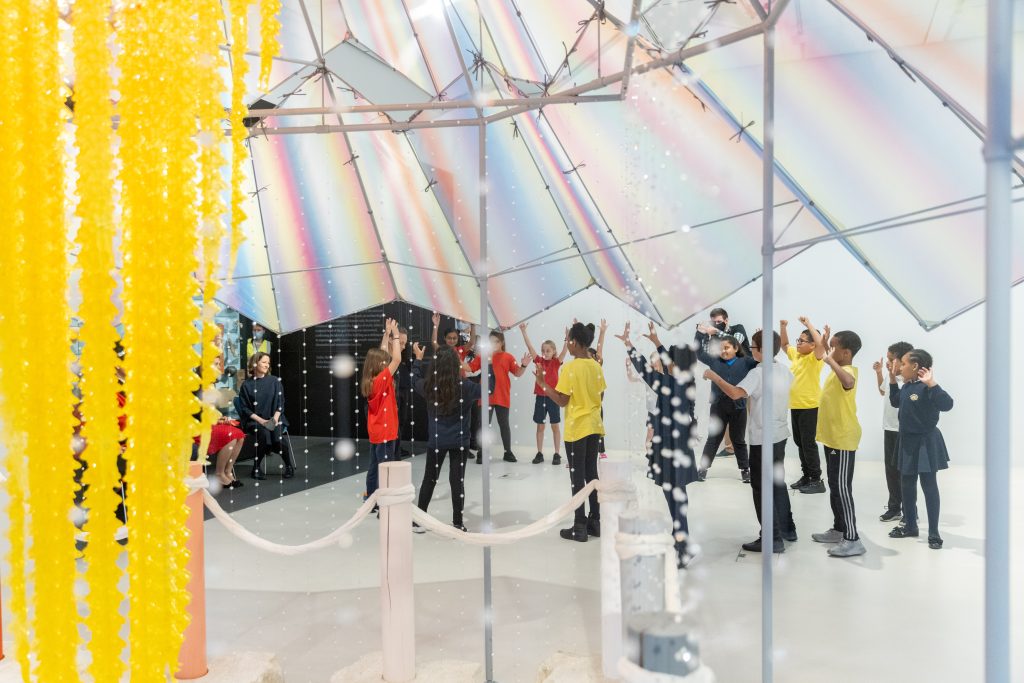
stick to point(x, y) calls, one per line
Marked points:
point(745, 476)
point(904, 532)
point(755, 546)
point(577, 532)
point(934, 542)
point(789, 535)
point(702, 475)
point(479, 459)
point(556, 459)
point(891, 516)
point(509, 457)
point(800, 483)
point(460, 526)
point(594, 528)
point(814, 486)
point(538, 459)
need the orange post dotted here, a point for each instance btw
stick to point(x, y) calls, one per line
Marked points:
point(192, 659)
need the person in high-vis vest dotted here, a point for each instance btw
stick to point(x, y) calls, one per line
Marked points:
point(258, 343)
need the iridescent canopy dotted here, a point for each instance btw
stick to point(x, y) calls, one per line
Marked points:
point(621, 148)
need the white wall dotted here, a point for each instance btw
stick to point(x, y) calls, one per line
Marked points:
point(828, 285)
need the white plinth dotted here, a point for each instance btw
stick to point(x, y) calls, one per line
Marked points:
point(368, 670)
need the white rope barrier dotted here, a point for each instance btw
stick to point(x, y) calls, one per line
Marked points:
point(382, 497)
point(629, 546)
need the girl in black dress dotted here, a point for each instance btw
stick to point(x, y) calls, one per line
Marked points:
point(922, 450)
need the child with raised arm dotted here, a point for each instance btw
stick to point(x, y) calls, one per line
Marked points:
point(579, 390)
point(377, 385)
point(752, 387)
point(650, 394)
point(806, 362)
point(922, 450)
point(891, 433)
point(670, 460)
point(551, 360)
point(839, 432)
point(504, 365)
point(726, 413)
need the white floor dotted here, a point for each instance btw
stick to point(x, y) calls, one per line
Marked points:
point(899, 613)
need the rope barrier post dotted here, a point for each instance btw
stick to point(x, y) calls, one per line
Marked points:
point(192, 657)
point(614, 474)
point(643, 573)
point(397, 616)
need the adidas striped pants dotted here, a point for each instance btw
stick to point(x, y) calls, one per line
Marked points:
point(839, 465)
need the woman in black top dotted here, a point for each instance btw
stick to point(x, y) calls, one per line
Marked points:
point(260, 405)
point(449, 401)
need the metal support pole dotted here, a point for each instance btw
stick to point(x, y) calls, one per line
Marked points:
point(485, 359)
point(767, 354)
point(998, 254)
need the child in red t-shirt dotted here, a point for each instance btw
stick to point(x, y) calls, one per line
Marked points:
point(504, 365)
point(544, 406)
point(377, 385)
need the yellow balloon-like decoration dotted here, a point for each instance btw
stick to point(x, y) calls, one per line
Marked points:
point(94, 137)
point(239, 67)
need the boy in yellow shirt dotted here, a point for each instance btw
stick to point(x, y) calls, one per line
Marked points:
point(839, 432)
point(806, 362)
point(580, 386)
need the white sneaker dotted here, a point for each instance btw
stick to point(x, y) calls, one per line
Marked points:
point(830, 536)
point(417, 529)
point(847, 549)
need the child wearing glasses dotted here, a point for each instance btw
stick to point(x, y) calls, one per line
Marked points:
point(806, 363)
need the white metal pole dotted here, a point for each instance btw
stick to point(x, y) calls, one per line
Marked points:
point(998, 253)
point(767, 351)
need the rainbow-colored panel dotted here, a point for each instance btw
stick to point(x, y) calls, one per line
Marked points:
point(384, 26)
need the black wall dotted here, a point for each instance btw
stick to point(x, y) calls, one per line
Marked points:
point(303, 359)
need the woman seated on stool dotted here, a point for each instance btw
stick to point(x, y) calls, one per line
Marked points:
point(260, 404)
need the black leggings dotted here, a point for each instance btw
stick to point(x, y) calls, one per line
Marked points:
point(582, 456)
point(735, 418)
point(506, 431)
point(677, 509)
point(930, 486)
point(893, 477)
point(456, 478)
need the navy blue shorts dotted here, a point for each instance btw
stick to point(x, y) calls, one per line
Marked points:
point(546, 406)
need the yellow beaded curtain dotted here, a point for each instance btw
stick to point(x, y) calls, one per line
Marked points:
point(94, 138)
point(153, 189)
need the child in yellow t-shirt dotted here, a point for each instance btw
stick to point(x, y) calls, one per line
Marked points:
point(580, 385)
point(839, 432)
point(806, 362)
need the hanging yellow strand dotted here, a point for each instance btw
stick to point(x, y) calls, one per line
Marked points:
point(239, 22)
point(95, 139)
point(158, 202)
point(269, 45)
point(211, 186)
point(48, 452)
point(14, 333)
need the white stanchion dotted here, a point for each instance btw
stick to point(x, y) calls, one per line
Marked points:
point(397, 610)
point(616, 494)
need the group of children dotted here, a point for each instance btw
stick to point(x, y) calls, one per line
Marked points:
point(450, 387)
point(914, 448)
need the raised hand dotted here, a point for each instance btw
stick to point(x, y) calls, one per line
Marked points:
point(418, 350)
point(783, 323)
point(805, 321)
point(522, 327)
point(652, 334)
point(877, 366)
point(624, 337)
point(527, 359)
point(894, 367)
point(925, 375)
point(436, 319)
point(604, 325)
